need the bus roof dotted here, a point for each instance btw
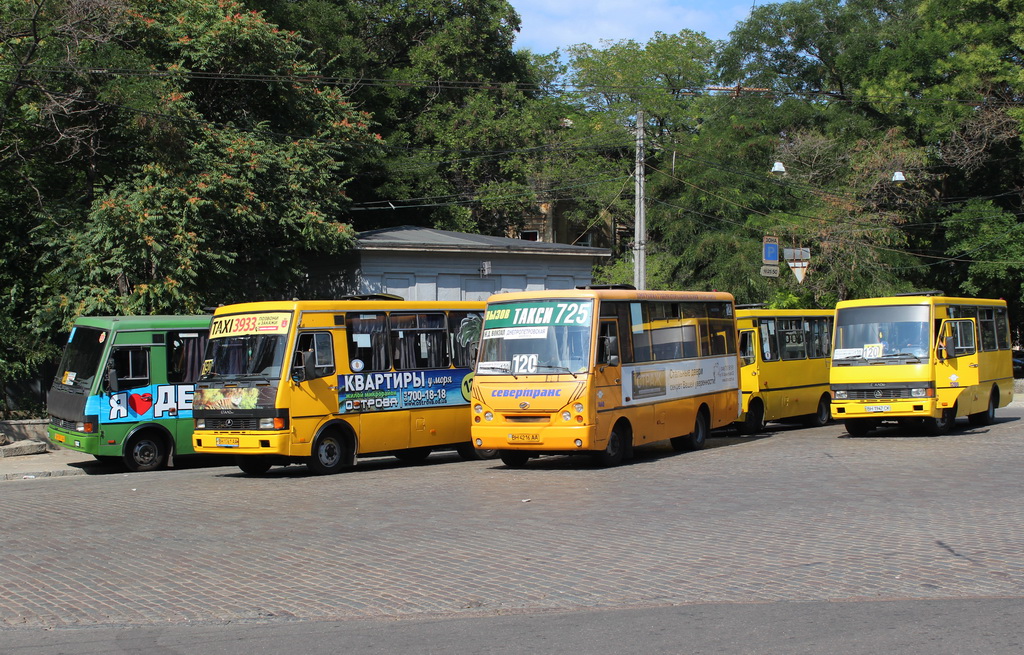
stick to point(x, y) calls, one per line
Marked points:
point(614, 294)
point(784, 313)
point(155, 322)
point(345, 305)
point(920, 300)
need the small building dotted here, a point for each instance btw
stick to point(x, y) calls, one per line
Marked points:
point(425, 264)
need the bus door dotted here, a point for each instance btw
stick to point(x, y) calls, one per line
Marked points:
point(185, 352)
point(607, 374)
point(369, 399)
point(314, 383)
point(748, 360)
point(956, 366)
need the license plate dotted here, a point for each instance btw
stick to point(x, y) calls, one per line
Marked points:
point(227, 442)
point(523, 438)
point(59, 437)
point(877, 408)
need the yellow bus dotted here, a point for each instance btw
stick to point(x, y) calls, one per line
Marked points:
point(920, 359)
point(784, 365)
point(322, 382)
point(598, 370)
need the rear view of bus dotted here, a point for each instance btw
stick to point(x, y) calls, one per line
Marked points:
point(598, 370)
point(125, 386)
point(920, 360)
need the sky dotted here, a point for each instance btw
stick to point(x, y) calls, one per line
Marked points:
point(554, 24)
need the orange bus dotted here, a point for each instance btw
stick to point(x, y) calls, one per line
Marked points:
point(599, 370)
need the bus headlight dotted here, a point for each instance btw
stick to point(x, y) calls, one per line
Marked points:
point(478, 409)
point(578, 408)
point(489, 416)
point(479, 442)
point(840, 395)
point(266, 424)
point(566, 416)
point(200, 423)
point(918, 393)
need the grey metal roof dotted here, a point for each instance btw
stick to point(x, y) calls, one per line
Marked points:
point(408, 237)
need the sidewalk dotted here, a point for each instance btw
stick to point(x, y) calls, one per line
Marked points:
point(49, 464)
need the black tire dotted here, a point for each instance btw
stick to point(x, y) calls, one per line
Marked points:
point(253, 464)
point(514, 458)
point(821, 417)
point(989, 415)
point(613, 453)
point(414, 455)
point(145, 452)
point(470, 453)
point(941, 425)
point(696, 439)
point(859, 427)
point(329, 455)
point(753, 422)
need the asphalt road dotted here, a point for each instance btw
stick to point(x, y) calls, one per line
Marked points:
point(801, 541)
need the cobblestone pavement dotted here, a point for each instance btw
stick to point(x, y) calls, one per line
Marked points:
point(802, 514)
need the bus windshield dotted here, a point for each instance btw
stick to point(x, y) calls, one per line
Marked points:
point(82, 357)
point(536, 337)
point(893, 332)
point(259, 355)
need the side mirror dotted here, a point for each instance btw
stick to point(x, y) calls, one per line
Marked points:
point(610, 351)
point(112, 385)
point(306, 370)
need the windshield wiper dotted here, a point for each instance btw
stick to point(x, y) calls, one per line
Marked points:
point(908, 355)
point(564, 369)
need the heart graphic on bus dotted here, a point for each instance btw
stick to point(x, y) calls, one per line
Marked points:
point(140, 402)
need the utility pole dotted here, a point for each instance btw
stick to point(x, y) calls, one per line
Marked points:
point(640, 215)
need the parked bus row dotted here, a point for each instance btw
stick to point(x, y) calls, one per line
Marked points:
point(595, 371)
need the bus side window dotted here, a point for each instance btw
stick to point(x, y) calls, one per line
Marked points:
point(419, 341)
point(367, 340)
point(129, 367)
point(185, 356)
point(769, 352)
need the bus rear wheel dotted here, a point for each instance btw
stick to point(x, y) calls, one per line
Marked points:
point(253, 464)
point(989, 415)
point(145, 452)
point(753, 422)
point(469, 453)
point(696, 439)
point(513, 458)
point(820, 417)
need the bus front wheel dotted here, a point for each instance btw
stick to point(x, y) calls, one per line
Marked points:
point(253, 464)
point(328, 455)
point(858, 427)
point(513, 458)
point(145, 452)
point(941, 425)
point(613, 452)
